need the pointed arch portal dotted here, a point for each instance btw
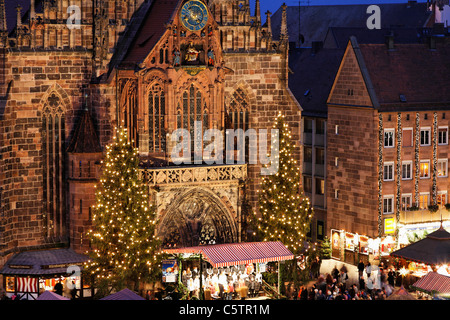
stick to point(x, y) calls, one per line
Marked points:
point(197, 218)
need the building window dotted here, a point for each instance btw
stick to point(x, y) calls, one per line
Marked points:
point(307, 184)
point(336, 129)
point(238, 110)
point(193, 109)
point(443, 135)
point(336, 193)
point(442, 167)
point(406, 201)
point(320, 126)
point(308, 125)
point(336, 161)
point(320, 186)
point(407, 137)
point(388, 171)
point(307, 156)
point(320, 230)
point(425, 136)
point(442, 198)
point(406, 170)
point(320, 156)
point(424, 169)
point(388, 204)
point(389, 138)
point(53, 141)
point(156, 117)
point(424, 200)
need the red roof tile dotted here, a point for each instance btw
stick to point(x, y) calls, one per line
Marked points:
point(413, 70)
point(151, 31)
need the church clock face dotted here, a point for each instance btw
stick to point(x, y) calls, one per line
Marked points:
point(194, 15)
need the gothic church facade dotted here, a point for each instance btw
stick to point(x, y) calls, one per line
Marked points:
point(152, 67)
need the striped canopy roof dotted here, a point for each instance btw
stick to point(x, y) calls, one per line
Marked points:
point(433, 282)
point(231, 254)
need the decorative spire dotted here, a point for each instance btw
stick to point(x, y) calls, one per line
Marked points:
point(257, 12)
point(269, 21)
point(19, 15)
point(284, 31)
point(3, 26)
point(32, 9)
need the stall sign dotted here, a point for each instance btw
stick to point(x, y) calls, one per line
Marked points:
point(363, 244)
point(10, 284)
point(335, 239)
point(350, 241)
point(61, 265)
point(389, 225)
point(170, 270)
point(262, 267)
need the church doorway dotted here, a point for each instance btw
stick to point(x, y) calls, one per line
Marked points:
point(197, 217)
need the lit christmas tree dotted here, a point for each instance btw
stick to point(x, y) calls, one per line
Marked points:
point(284, 212)
point(126, 249)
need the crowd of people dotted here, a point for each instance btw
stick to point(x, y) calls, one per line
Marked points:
point(374, 283)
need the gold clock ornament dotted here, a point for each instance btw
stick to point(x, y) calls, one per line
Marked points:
point(194, 15)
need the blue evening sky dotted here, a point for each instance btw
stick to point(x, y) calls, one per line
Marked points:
point(274, 5)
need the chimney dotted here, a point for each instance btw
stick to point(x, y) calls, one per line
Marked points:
point(316, 46)
point(390, 41)
point(432, 42)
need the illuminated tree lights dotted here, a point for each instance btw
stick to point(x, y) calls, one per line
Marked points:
point(284, 212)
point(126, 249)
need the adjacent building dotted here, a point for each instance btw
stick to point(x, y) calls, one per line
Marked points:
point(387, 148)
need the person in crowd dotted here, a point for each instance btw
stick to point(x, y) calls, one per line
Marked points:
point(362, 284)
point(58, 288)
point(361, 267)
point(391, 277)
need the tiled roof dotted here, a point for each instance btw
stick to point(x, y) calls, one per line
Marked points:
point(150, 32)
point(315, 20)
point(420, 74)
point(85, 138)
point(42, 262)
point(312, 77)
point(338, 36)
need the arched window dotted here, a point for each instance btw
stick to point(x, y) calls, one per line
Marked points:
point(53, 140)
point(237, 117)
point(238, 111)
point(193, 109)
point(129, 112)
point(156, 117)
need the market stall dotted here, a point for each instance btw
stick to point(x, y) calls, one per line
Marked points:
point(429, 255)
point(232, 268)
point(28, 274)
point(433, 250)
point(433, 283)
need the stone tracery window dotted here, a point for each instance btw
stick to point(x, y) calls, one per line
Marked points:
point(238, 111)
point(157, 111)
point(237, 117)
point(53, 140)
point(192, 108)
point(130, 112)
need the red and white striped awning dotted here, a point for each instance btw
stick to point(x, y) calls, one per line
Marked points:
point(231, 254)
point(433, 282)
